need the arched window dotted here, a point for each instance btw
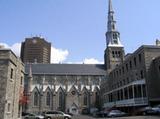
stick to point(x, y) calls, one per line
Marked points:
point(85, 99)
point(60, 100)
point(35, 99)
point(97, 99)
point(48, 99)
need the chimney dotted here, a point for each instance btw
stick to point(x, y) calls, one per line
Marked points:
point(157, 42)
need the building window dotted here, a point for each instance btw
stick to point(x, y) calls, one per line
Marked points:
point(115, 41)
point(135, 62)
point(121, 94)
point(9, 107)
point(115, 36)
point(123, 70)
point(117, 73)
point(127, 80)
point(60, 100)
point(21, 80)
point(113, 27)
point(120, 72)
point(35, 99)
point(119, 53)
point(130, 64)
point(130, 92)
point(126, 93)
point(97, 99)
point(48, 99)
point(140, 58)
point(85, 99)
point(113, 54)
point(144, 90)
point(11, 76)
point(142, 74)
point(127, 67)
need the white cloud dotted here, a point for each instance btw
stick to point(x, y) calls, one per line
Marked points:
point(15, 47)
point(91, 61)
point(58, 55)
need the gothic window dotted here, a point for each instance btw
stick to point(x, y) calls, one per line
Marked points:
point(113, 54)
point(60, 99)
point(85, 99)
point(97, 98)
point(48, 99)
point(113, 27)
point(112, 18)
point(35, 99)
point(114, 36)
point(115, 41)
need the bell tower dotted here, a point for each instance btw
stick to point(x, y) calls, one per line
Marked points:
point(114, 52)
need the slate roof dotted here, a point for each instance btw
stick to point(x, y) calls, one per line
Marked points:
point(67, 69)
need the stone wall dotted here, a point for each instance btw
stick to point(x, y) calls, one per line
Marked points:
point(11, 81)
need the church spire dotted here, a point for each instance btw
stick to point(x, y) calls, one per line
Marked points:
point(114, 52)
point(110, 9)
point(112, 35)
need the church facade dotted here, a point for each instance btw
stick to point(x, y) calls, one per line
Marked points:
point(72, 88)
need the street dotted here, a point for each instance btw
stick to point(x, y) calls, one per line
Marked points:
point(130, 117)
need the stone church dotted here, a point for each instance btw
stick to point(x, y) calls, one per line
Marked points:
point(73, 88)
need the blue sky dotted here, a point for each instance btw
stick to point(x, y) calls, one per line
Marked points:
point(76, 28)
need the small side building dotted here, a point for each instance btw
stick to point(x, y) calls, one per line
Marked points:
point(11, 84)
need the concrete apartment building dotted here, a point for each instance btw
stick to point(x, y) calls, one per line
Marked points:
point(132, 80)
point(35, 49)
point(11, 84)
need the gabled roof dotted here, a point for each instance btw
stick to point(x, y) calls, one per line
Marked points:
point(67, 69)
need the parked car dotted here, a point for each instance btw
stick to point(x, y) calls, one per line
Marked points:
point(102, 113)
point(56, 115)
point(148, 111)
point(32, 116)
point(116, 113)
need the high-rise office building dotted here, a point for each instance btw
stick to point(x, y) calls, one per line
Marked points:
point(35, 50)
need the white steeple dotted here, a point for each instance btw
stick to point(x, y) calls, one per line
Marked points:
point(112, 35)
